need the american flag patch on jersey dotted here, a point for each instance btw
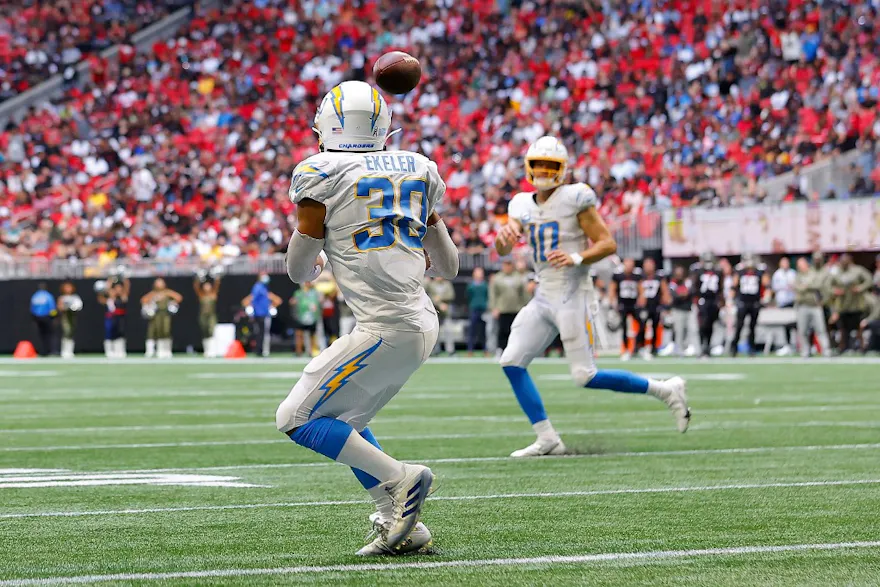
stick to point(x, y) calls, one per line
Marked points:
point(336, 130)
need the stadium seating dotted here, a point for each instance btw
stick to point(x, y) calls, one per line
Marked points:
point(187, 149)
point(42, 39)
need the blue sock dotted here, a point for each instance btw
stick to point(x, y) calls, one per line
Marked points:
point(616, 380)
point(368, 481)
point(325, 436)
point(526, 393)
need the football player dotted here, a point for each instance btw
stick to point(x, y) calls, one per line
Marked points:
point(681, 310)
point(370, 213)
point(653, 293)
point(113, 295)
point(625, 294)
point(707, 290)
point(749, 283)
point(558, 220)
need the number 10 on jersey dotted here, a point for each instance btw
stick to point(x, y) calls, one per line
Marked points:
point(394, 213)
point(542, 235)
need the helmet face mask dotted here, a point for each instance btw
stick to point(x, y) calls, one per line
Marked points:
point(546, 163)
point(544, 173)
point(354, 117)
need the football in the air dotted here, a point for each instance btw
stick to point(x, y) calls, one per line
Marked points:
point(397, 72)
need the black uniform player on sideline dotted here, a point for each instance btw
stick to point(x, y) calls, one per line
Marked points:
point(115, 301)
point(749, 283)
point(653, 294)
point(706, 283)
point(680, 307)
point(624, 294)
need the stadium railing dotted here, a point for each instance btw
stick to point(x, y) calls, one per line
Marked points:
point(40, 268)
point(634, 235)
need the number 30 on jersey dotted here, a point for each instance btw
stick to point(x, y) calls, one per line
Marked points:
point(395, 220)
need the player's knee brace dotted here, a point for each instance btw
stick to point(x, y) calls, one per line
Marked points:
point(582, 375)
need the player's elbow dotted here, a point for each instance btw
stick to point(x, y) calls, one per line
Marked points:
point(610, 246)
point(446, 268)
point(299, 274)
point(442, 251)
point(300, 258)
point(451, 272)
point(298, 271)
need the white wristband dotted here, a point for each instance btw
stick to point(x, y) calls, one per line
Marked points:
point(577, 258)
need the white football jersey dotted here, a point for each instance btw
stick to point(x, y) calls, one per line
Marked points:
point(378, 205)
point(554, 225)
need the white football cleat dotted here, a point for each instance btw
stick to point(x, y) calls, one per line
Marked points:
point(691, 351)
point(541, 447)
point(667, 350)
point(784, 351)
point(625, 356)
point(418, 540)
point(674, 395)
point(407, 496)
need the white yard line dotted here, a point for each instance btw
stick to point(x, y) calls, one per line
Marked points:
point(151, 397)
point(75, 447)
point(181, 360)
point(75, 430)
point(453, 436)
point(791, 409)
point(494, 496)
point(589, 417)
point(457, 460)
point(598, 558)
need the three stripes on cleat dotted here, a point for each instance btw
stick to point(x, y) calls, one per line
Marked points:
point(412, 500)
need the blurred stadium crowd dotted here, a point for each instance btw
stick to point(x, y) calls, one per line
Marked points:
point(42, 39)
point(186, 150)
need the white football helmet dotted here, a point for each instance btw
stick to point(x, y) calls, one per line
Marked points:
point(353, 116)
point(546, 148)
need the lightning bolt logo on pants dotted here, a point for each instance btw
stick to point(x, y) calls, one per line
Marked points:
point(344, 373)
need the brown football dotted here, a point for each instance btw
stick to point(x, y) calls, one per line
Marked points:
point(397, 72)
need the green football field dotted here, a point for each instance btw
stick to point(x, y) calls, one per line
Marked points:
point(173, 473)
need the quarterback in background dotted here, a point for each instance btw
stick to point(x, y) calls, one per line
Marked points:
point(558, 220)
point(370, 214)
